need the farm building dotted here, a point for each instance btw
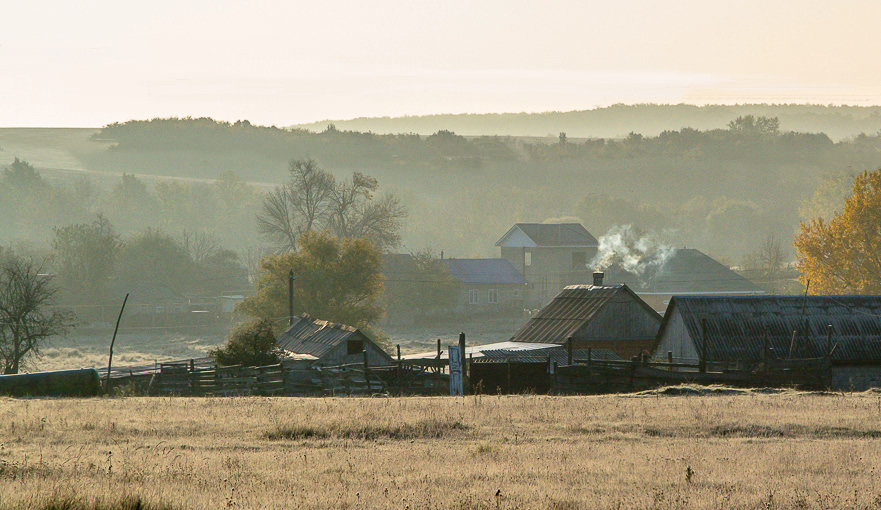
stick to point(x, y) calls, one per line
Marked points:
point(325, 343)
point(487, 285)
point(549, 256)
point(749, 329)
point(597, 316)
point(684, 272)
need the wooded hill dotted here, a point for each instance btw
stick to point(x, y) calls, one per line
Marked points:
point(618, 120)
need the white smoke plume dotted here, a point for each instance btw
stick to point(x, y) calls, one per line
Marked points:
point(630, 251)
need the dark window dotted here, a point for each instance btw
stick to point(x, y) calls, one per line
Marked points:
point(579, 260)
point(355, 347)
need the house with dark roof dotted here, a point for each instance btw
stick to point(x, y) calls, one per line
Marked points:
point(751, 329)
point(487, 285)
point(597, 316)
point(549, 256)
point(319, 342)
point(685, 271)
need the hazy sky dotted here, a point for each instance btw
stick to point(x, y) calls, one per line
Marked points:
point(88, 63)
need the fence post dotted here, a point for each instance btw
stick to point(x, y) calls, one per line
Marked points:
point(569, 350)
point(589, 357)
point(464, 364)
point(366, 371)
point(670, 360)
point(438, 367)
point(702, 363)
point(398, 372)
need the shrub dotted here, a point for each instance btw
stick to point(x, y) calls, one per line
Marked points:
point(250, 344)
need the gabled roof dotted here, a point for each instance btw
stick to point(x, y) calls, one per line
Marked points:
point(551, 234)
point(738, 327)
point(685, 271)
point(572, 310)
point(484, 271)
point(308, 335)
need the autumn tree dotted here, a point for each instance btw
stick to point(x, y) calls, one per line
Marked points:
point(334, 279)
point(313, 200)
point(85, 259)
point(843, 254)
point(27, 315)
point(251, 344)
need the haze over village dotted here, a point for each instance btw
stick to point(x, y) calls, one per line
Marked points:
point(369, 252)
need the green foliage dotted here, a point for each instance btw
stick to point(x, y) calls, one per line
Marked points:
point(251, 344)
point(334, 279)
point(85, 259)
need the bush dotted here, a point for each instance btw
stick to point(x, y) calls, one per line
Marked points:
point(250, 344)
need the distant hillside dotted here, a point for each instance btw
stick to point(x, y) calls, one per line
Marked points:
point(838, 122)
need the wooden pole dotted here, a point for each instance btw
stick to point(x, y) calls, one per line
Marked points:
point(569, 350)
point(291, 297)
point(702, 363)
point(670, 359)
point(464, 368)
point(438, 356)
point(112, 342)
point(398, 373)
point(366, 371)
point(589, 356)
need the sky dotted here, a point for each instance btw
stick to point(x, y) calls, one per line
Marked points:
point(90, 63)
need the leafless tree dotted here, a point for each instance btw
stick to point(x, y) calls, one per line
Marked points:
point(200, 245)
point(314, 200)
point(27, 316)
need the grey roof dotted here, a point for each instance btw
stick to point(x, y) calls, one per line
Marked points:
point(558, 355)
point(485, 271)
point(738, 327)
point(572, 310)
point(308, 335)
point(556, 234)
point(686, 271)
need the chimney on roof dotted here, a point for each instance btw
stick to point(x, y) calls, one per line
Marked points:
point(598, 278)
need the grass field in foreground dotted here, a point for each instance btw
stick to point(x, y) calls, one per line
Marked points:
point(788, 450)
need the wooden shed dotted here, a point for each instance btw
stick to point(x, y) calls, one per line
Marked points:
point(599, 316)
point(327, 343)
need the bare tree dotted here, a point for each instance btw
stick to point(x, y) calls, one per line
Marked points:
point(314, 200)
point(27, 318)
point(200, 245)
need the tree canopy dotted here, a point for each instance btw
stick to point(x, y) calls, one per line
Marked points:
point(334, 279)
point(843, 255)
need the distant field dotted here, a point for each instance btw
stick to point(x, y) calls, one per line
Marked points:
point(48, 147)
point(787, 450)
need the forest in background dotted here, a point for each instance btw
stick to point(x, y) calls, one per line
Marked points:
point(722, 191)
point(615, 121)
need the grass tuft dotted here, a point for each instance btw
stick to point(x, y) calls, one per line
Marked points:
point(422, 429)
point(71, 503)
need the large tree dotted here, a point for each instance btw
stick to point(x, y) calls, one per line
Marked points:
point(843, 255)
point(27, 316)
point(85, 258)
point(334, 279)
point(313, 200)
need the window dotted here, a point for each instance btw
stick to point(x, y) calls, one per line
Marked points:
point(355, 347)
point(473, 297)
point(527, 258)
point(579, 260)
point(492, 296)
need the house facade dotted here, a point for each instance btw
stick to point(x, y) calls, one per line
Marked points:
point(487, 286)
point(550, 256)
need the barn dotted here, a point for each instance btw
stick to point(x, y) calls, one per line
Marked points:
point(596, 316)
point(326, 343)
point(750, 329)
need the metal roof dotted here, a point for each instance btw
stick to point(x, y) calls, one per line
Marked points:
point(738, 327)
point(554, 234)
point(484, 271)
point(477, 351)
point(557, 354)
point(685, 271)
point(571, 310)
point(315, 337)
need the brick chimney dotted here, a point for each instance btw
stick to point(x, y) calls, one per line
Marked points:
point(598, 278)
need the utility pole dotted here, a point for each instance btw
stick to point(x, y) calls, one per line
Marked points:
point(291, 297)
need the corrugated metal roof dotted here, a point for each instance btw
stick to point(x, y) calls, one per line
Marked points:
point(686, 270)
point(557, 354)
point(555, 234)
point(484, 271)
point(315, 337)
point(571, 310)
point(738, 327)
point(476, 351)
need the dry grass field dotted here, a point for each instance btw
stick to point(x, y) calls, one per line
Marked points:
point(786, 450)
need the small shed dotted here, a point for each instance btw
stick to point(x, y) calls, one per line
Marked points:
point(728, 329)
point(599, 316)
point(326, 343)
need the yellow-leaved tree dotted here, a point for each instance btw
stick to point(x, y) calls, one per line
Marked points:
point(335, 279)
point(843, 255)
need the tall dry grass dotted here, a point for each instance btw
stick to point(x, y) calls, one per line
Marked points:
point(740, 451)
